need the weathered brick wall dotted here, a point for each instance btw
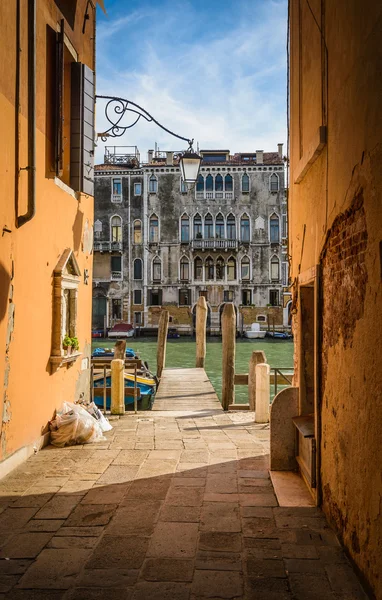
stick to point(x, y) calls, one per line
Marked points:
point(250, 314)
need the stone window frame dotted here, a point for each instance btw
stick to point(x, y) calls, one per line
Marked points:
point(114, 225)
point(138, 183)
point(274, 290)
point(273, 261)
point(141, 262)
point(181, 291)
point(66, 278)
point(243, 216)
point(183, 260)
point(273, 217)
point(271, 178)
point(246, 260)
point(134, 302)
point(157, 261)
point(249, 183)
point(153, 184)
point(137, 229)
point(184, 217)
point(154, 216)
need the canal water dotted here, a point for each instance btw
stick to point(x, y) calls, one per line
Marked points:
point(181, 353)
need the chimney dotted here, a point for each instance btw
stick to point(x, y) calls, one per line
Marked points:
point(259, 157)
point(280, 150)
point(169, 158)
point(150, 155)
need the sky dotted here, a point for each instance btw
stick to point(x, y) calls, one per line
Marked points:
point(212, 70)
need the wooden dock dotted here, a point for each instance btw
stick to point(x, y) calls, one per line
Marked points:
point(185, 390)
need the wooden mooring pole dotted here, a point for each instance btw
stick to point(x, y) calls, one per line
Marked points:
point(229, 343)
point(201, 328)
point(162, 341)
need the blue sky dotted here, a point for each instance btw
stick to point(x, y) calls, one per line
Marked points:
point(214, 70)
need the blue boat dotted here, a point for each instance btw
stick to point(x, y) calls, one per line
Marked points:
point(107, 352)
point(146, 387)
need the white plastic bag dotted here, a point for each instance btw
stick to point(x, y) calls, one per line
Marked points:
point(74, 426)
point(95, 412)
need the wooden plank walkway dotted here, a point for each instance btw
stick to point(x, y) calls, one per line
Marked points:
point(185, 390)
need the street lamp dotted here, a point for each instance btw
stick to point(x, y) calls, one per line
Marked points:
point(115, 110)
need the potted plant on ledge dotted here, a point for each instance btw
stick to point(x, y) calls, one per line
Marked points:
point(75, 344)
point(67, 344)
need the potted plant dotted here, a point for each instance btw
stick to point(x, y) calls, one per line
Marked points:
point(67, 344)
point(75, 344)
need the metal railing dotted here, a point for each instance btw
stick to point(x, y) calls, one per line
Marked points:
point(116, 275)
point(281, 376)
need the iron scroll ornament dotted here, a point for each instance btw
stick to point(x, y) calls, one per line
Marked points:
point(115, 110)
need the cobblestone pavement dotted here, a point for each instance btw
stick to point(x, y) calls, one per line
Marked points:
point(172, 507)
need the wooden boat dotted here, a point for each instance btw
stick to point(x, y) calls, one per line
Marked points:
point(146, 387)
point(255, 333)
point(121, 330)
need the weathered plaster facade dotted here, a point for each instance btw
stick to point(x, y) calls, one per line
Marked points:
point(32, 385)
point(335, 225)
point(224, 239)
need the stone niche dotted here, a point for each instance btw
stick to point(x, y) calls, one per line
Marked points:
point(66, 279)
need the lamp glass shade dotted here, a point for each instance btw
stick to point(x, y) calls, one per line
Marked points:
point(189, 167)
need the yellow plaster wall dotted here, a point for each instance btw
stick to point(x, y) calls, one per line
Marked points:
point(30, 393)
point(349, 165)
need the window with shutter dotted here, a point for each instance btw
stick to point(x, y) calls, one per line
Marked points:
point(82, 129)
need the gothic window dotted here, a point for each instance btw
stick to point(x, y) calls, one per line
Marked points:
point(218, 183)
point(274, 182)
point(245, 268)
point(184, 269)
point(245, 183)
point(244, 228)
point(231, 269)
point(200, 184)
point(208, 227)
point(275, 269)
point(198, 230)
point(209, 269)
point(228, 183)
point(198, 269)
point(274, 228)
point(154, 229)
point(137, 232)
point(209, 183)
point(184, 229)
point(153, 185)
point(220, 268)
point(219, 227)
point(157, 269)
point(116, 229)
point(231, 227)
point(137, 268)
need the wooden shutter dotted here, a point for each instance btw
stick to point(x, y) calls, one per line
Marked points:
point(59, 100)
point(82, 129)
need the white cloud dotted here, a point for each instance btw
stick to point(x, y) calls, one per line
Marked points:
point(225, 89)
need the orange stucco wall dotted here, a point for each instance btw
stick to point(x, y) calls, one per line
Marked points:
point(30, 391)
point(338, 203)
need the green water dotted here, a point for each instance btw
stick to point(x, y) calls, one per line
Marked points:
point(181, 353)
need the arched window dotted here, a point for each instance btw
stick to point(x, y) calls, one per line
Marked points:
point(198, 269)
point(275, 269)
point(219, 268)
point(154, 229)
point(245, 268)
point(157, 269)
point(200, 184)
point(219, 227)
point(208, 227)
point(153, 185)
point(137, 232)
point(228, 183)
point(209, 269)
point(209, 183)
point(116, 229)
point(274, 229)
point(244, 228)
point(198, 231)
point(274, 182)
point(137, 268)
point(245, 183)
point(231, 269)
point(184, 229)
point(231, 227)
point(184, 269)
point(218, 183)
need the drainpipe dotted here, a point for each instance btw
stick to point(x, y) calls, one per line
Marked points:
point(31, 168)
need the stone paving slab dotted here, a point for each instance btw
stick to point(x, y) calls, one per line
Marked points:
point(188, 514)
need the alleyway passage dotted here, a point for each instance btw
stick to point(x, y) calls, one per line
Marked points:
point(176, 505)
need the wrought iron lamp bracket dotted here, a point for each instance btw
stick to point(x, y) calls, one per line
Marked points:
point(115, 110)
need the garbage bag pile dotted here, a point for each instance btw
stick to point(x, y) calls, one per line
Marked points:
point(78, 424)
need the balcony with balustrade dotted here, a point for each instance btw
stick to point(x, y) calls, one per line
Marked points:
point(214, 244)
point(204, 195)
point(99, 246)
